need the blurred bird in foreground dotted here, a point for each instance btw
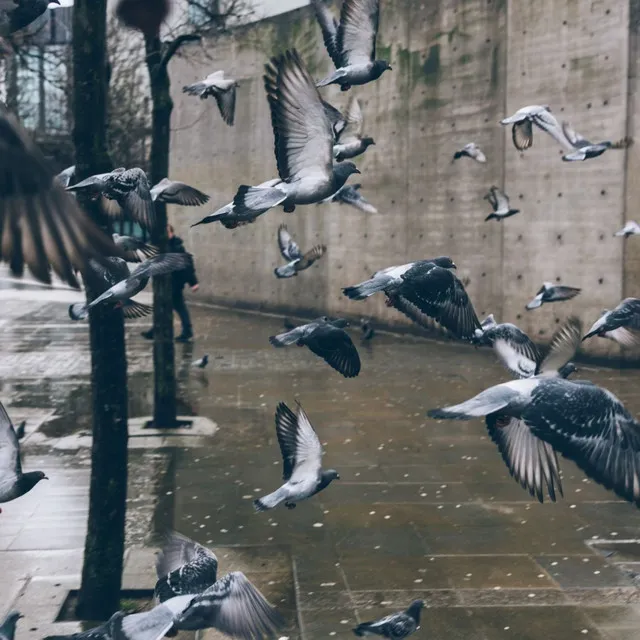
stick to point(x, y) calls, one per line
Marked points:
point(144, 15)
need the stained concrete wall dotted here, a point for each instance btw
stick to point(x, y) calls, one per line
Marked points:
point(458, 67)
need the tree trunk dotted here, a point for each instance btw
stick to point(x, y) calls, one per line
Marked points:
point(104, 546)
point(164, 406)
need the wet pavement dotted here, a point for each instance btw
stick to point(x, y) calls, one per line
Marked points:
point(422, 510)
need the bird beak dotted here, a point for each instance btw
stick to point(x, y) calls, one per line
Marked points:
point(358, 171)
point(453, 266)
point(45, 478)
point(338, 477)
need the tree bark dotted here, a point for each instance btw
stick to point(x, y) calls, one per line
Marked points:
point(104, 546)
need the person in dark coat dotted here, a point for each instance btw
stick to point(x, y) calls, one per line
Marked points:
point(179, 280)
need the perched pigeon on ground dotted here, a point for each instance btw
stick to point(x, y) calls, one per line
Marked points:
point(396, 626)
point(201, 363)
point(350, 194)
point(13, 483)
point(8, 627)
point(303, 145)
point(621, 324)
point(123, 290)
point(632, 228)
point(144, 15)
point(471, 150)
point(134, 249)
point(18, 14)
point(499, 200)
point(421, 290)
point(21, 430)
point(582, 149)
point(291, 252)
point(128, 187)
point(523, 121)
point(550, 292)
point(222, 89)
point(302, 461)
point(581, 421)
point(350, 142)
point(351, 43)
point(367, 329)
point(327, 339)
point(66, 176)
point(173, 192)
point(41, 225)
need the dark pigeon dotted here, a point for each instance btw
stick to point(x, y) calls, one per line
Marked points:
point(550, 292)
point(396, 626)
point(201, 363)
point(621, 324)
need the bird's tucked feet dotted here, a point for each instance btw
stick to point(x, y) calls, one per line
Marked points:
point(290, 505)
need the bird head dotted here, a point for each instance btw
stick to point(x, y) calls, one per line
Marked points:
point(382, 66)
point(368, 141)
point(340, 323)
point(445, 262)
point(345, 169)
point(567, 370)
point(331, 474)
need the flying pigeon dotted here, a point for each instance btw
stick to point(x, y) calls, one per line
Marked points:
point(499, 200)
point(523, 121)
point(128, 187)
point(13, 483)
point(396, 626)
point(350, 142)
point(621, 324)
point(144, 15)
point(632, 228)
point(302, 461)
point(350, 194)
point(583, 422)
point(351, 43)
point(367, 329)
point(173, 192)
point(291, 252)
point(8, 627)
point(470, 150)
point(18, 14)
point(66, 176)
point(41, 225)
point(582, 149)
point(120, 293)
point(303, 145)
point(421, 290)
point(327, 339)
point(336, 117)
point(134, 249)
point(550, 292)
point(230, 218)
point(222, 89)
point(201, 363)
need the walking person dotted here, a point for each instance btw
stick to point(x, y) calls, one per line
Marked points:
point(178, 280)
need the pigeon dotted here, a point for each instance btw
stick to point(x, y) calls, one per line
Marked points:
point(21, 430)
point(222, 89)
point(8, 627)
point(367, 329)
point(421, 290)
point(40, 224)
point(66, 176)
point(350, 194)
point(201, 363)
point(470, 150)
point(303, 145)
point(351, 143)
point(582, 149)
point(120, 293)
point(499, 200)
point(291, 252)
point(336, 117)
point(621, 324)
point(128, 187)
point(523, 121)
point(230, 218)
point(13, 483)
point(632, 228)
point(18, 14)
point(173, 192)
point(327, 339)
point(550, 292)
point(302, 471)
point(583, 422)
point(144, 15)
point(396, 626)
point(134, 249)
point(351, 43)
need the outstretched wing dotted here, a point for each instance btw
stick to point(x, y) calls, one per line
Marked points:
point(563, 347)
point(161, 264)
point(226, 101)
point(329, 27)
point(288, 247)
point(522, 134)
point(574, 138)
point(310, 257)
point(358, 30)
point(355, 123)
point(336, 348)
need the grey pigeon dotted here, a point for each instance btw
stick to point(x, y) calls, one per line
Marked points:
point(21, 430)
point(327, 339)
point(301, 450)
point(350, 142)
point(18, 14)
point(173, 192)
point(42, 225)
point(621, 324)
point(8, 627)
point(303, 144)
point(336, 117)
point(201, 363)
point(422, 290)
point(396, 626)
point(582, 149)
point(297, 261)
point(66, 176)
point(230, 218)
point(350, 194)
point(583, 422)
point(351, 43)
point(632, 228)
point(13, 483)
point(523, 121)
point(499, 201)
point(222, 89)
point(134, 249)
point(121, 292)
point(470, 150)
point(550, 292)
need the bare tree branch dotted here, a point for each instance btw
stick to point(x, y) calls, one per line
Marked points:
point(173, 46)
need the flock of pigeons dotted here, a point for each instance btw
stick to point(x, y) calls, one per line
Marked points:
point(530, 418)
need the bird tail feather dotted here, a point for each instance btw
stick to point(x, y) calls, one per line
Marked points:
point(133, 309)
point(334, 77)
point(365, 289)
point(257, 200)
point(284, 339)
point(491, 216)
point(284, 272)
point(269, 502)
point(364, 629)
point(486, 402)
point(78, 311)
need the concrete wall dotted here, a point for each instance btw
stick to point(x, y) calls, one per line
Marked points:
point(458, 67)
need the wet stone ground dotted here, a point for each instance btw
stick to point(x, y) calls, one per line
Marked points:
point(423, 509)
